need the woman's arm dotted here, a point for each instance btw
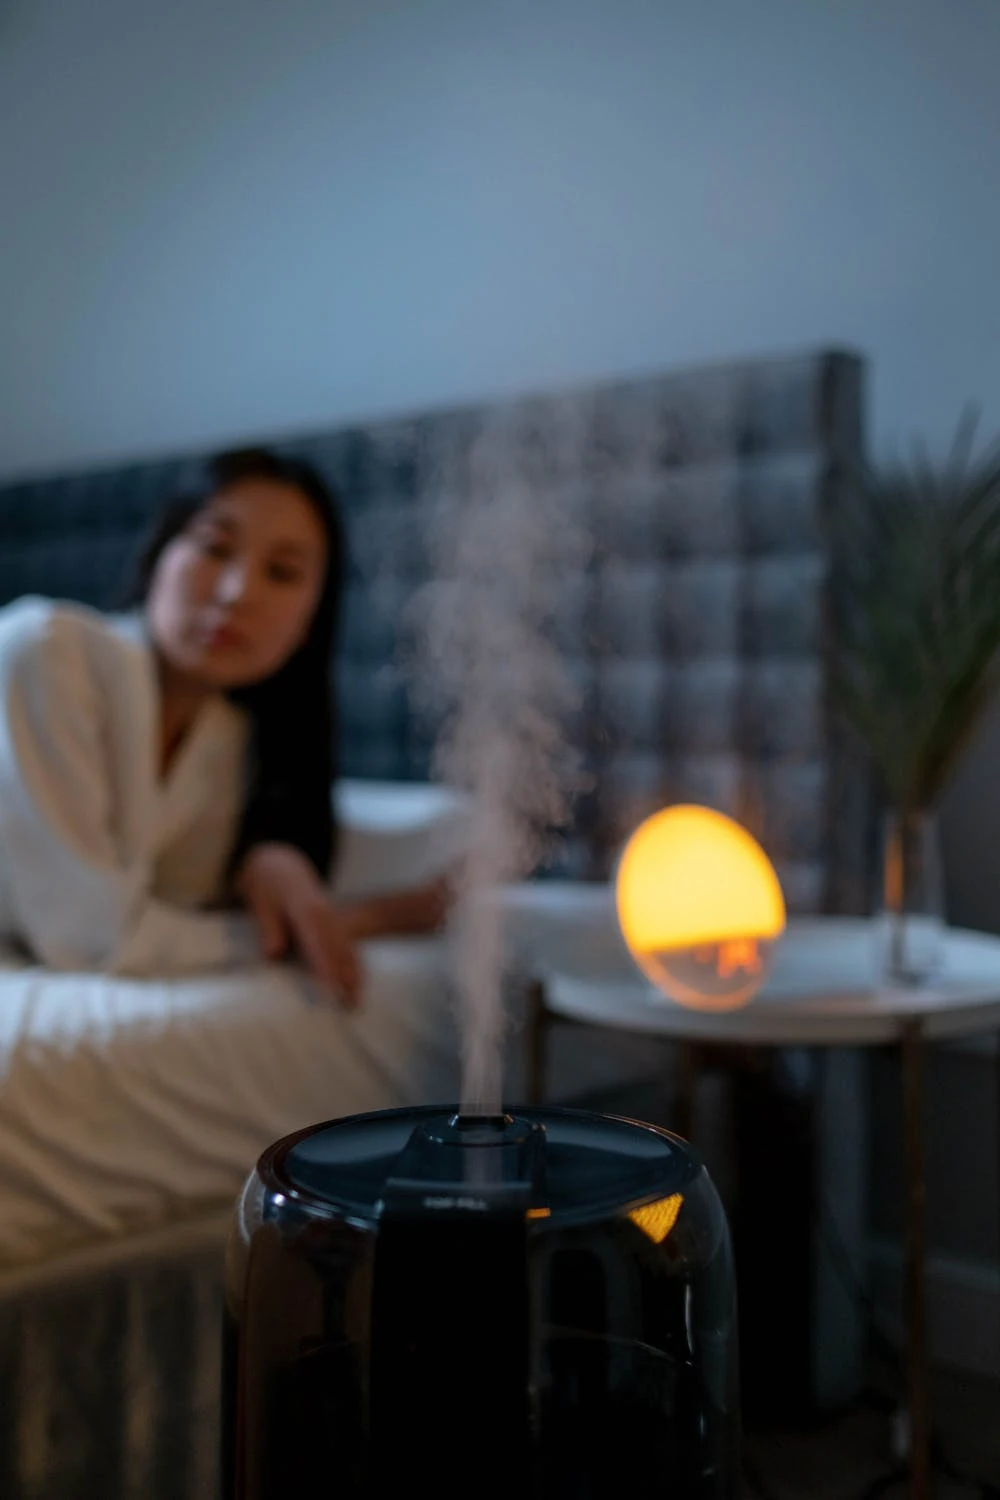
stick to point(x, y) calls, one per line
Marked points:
point(421, 909)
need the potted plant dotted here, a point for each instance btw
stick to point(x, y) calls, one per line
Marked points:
point(917, 630)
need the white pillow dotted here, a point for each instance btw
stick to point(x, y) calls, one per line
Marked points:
point(396, 834)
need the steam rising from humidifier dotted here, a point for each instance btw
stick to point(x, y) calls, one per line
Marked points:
point(506, 543)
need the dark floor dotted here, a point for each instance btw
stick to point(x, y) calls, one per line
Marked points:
point(844, 1460)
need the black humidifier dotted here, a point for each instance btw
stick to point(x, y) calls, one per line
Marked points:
point(537, 1305)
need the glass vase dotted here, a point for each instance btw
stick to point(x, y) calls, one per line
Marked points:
point(910, 919)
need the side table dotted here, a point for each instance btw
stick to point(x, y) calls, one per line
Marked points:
point(822, 992)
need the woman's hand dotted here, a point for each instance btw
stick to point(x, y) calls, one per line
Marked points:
point(293, 909)
point(420, 910)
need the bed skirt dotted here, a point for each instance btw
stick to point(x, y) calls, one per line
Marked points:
point(110, 1369)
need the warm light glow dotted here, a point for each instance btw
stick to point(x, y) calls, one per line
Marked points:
point(657, 1219)
point(699, 906)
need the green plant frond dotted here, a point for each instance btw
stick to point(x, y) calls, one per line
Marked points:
point(950, 736)
point(960, 453)
point(925, 479)
point(978, 518)
point(915, 602)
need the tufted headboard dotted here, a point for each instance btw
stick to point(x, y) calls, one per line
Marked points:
point(701, 619)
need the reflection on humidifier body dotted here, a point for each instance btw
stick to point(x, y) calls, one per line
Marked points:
point(536, 1306)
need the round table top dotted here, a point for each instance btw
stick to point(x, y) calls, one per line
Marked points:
point(824, 987)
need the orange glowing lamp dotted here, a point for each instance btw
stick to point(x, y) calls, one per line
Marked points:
point(700, 907)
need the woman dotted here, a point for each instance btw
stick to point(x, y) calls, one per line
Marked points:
point(159, 765)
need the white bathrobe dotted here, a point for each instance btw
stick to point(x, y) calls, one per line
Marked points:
point(103, 863)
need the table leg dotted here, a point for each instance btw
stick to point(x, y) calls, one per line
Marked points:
point(536, 1042)
point(687, 1087)
point(912, 1049)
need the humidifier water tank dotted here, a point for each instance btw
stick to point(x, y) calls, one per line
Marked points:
point(536, 1305)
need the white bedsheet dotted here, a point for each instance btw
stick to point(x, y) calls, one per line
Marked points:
point(124, 1103)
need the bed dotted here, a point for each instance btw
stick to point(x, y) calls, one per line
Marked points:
point(130, 1111)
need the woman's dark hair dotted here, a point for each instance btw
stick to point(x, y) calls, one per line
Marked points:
point(292, 713)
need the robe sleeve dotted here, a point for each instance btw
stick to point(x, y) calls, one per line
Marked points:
point(78, 902)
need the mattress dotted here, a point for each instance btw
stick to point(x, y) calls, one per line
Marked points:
point(125, 1104)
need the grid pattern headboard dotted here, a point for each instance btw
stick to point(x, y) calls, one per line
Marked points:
point(701, 643)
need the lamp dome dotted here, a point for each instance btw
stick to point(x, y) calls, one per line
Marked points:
point(700, 907)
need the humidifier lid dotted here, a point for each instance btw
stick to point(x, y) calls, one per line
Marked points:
point(571, 1165)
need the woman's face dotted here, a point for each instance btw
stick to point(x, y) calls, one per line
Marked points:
point(233, 595)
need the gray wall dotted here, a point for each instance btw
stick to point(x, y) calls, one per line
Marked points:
point(241, 215)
